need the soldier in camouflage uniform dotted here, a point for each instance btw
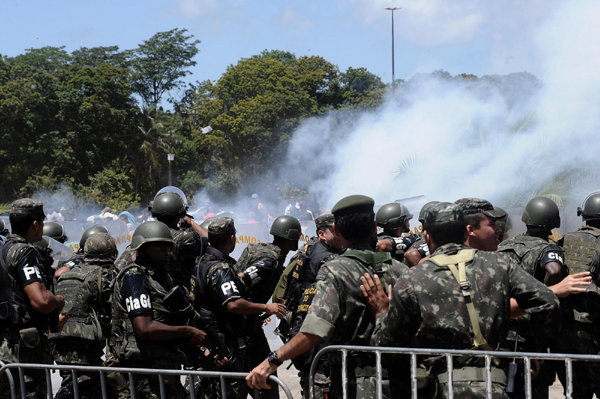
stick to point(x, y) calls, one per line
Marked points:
point(144, 333)
point(459, 299)
point(25, 301)
point(480, 215)
point(87, 290)
point(581, 317)
point(217, 293)
point(394, 219)
point(299, 276)
point(188, 242)
point(336, 309)
point(419, 250)
point(544, 261)
point(78, 256)
point(259, 267)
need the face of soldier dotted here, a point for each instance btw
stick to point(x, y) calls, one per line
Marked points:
point(37, 228)
point(486, 237)
point(158, 252)
point(326, 235)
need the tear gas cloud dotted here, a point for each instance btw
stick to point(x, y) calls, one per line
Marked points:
point(448, 141)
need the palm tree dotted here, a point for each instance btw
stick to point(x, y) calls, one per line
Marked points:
point(150, 122)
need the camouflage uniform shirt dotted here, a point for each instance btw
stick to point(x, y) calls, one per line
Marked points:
point(338, 313)
point(428, 308)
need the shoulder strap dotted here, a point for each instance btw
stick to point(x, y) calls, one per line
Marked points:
point(460, 274)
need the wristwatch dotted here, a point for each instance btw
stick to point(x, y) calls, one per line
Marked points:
point(272, 358)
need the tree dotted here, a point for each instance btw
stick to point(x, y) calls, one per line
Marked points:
point(95, 56)
point(48, 59)
point(161, 62)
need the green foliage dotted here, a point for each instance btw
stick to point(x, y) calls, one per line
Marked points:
point(160, 62)
point(112, 186)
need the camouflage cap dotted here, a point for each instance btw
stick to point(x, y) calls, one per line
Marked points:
point(27, 206)
point(472, 206)
point(323, 221)
point(424, 209)
point(443, 212)
point(221, 225)
point(353, 204)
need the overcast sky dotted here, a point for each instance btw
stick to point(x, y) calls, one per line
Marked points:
point(471, 36)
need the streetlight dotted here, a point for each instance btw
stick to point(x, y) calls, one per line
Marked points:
point(392, 9)
point(169, 141)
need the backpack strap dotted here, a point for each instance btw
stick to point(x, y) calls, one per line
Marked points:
point(460, 274)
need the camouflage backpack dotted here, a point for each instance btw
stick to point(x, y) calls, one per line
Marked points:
point(579, 249)
point(84, 318)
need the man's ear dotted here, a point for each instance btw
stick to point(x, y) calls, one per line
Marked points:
point(470, 231)
point(336, 232)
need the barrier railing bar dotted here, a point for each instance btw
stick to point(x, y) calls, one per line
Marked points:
point(103, 386)
point(378, 375)
point(527, 372)
point(344, 374)
point(11, 381)
point(132, 371)
point(488, 377)
point(192, 387)
point(413, 375)
point(457, 352)
point(131, 385)
point(22, 383)
point(413, 352)
point(569, 367)
point(161, 387)
point(223, 388)
point(450, 371)
point(75, 384)
point(48, 385)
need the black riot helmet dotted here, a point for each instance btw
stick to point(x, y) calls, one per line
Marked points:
point(590, 209)
point(92, 230)
point(392, 216)
point(56, 231)
point(287, 227)
point(168, 204)
point(151, 232)
point(541, 212)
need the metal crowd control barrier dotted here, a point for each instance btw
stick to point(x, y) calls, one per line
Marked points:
point(449, 354)
point(124, 370)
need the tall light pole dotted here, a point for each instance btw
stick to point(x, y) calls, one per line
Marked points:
point(392, 9)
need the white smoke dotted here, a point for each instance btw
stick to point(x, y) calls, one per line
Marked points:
point(454, 142)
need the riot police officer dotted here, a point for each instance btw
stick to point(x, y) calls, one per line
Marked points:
point(188, 243)
point(217, 291)
point(78, 256)
point(144, 333)
point(581, 317)
point(27, 302)
point(86, 289)
point(260, 266)
point(394, 219)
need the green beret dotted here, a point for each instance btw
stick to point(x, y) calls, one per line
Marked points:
point(323, 221)
point(27, 206)
point(353, 204)
point(221, 225)
point(443, 212)
point(472, 206)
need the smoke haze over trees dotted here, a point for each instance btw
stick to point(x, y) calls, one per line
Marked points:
point(95, 121)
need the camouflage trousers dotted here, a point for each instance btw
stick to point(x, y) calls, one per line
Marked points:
point(259, 350)
point(25, 346)
point(82, 352)
point(579, 338)
point(359, 387)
